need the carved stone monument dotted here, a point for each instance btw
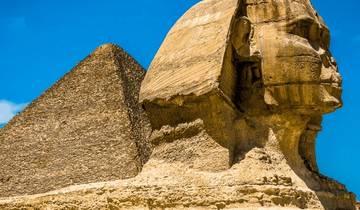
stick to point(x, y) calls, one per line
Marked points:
point(235, 98)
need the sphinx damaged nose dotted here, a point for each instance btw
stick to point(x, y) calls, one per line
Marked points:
point(336, 78)
point(330, 75)
point(329, 72)
point(325, 59)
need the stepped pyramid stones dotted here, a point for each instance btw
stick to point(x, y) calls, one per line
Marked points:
point(86, 128)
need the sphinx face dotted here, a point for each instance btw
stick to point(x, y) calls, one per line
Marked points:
point(298, 70)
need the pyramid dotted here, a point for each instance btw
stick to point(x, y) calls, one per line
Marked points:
point(86, 128)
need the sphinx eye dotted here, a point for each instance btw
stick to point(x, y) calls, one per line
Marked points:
point(325, 38)
point(301, 28)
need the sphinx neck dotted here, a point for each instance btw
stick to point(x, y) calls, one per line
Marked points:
point(193, 145)
point(287, 135)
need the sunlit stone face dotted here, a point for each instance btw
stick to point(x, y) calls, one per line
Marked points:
point(298, 70)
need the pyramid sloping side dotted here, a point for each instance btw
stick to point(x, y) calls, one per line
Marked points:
point(86, 128)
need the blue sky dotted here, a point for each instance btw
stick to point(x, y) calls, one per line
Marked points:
point(40, 40)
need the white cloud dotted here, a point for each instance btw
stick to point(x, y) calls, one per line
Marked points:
point(8, 110)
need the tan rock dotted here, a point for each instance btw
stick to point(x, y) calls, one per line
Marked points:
point(235, 97)
point(187, 63)
point(268, 78)
point(87, 128)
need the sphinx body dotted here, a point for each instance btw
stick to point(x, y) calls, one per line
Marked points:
point(260, 75)
point(235, 97)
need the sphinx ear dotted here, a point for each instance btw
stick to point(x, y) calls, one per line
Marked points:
point(240, 36)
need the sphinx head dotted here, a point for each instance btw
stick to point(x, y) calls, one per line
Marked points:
point(228, 60)
point(245, 68)
point(289, 54)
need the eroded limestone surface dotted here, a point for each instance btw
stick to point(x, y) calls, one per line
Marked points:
point(180, 175)
point(266, 79)
point(235, 98)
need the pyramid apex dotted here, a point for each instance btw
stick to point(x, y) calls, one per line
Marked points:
point(106, 48)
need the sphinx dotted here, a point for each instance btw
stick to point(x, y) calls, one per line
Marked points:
point(235, 97)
